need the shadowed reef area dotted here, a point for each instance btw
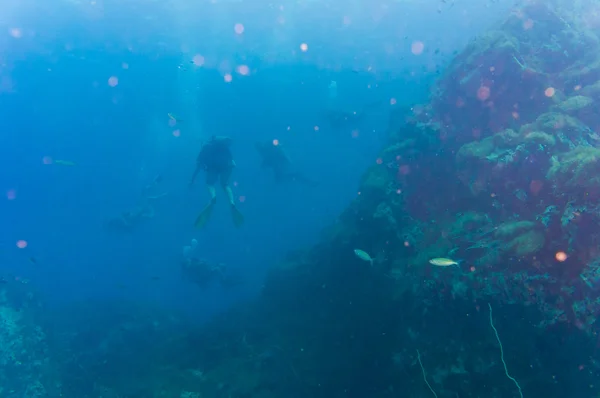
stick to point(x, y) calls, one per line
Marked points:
point(500, 169)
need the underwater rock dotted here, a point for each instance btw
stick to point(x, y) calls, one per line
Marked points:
point(506, 139)
point(468, 222)
point(586, 72)
point(553, 122)
point(591, 90)
point(581, 107)
point(539, 138)
point(512, 228)
point(575, 103)
point(397, 150)
point(376, 182)
point(577, 168)
point(506, 122)
point(520, 238)
point(527, 243)
point(478, 150)
point(26, 367)
point(385, 213)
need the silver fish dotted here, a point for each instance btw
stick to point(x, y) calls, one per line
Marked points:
point(363, 255)
point(442, 262)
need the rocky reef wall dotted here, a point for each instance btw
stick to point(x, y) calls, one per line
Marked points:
point(499, 169)
point(26, 365)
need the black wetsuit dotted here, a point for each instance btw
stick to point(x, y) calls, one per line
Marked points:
point(275, 158)
point(216, 160)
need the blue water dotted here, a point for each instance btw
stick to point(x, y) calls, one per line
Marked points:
point(56, 60)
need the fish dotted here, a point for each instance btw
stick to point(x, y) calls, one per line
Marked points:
point(363, 255)
point(65, 163)
point(443, 262)
point(174, 118)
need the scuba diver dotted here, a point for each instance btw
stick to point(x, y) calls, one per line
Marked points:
point(142, 211)
point(216, 160)
point(274, 157)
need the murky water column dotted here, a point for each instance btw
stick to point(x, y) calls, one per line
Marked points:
point(175, 129)
point(187, 109)
point(187, 112)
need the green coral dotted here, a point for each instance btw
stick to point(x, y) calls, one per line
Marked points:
point(585, 71)
point(397, 149)
point(385, 213)
point(520, 237)
point(540, 138)
point(376, 180)
point(567, 130)
point(468, 220)
point(528, 243)
point(578, 167)
point(575, 103)
point(475, 150)
point(501, 147)
point(496, 42)
point(512, 228)
point(506, 139)
point(592, 90)
point(553, 121)
point(527, 128)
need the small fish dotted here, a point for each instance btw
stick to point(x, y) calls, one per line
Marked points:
point(363, 255)
point(443, 262)
point(174, 118)
point(65, 163)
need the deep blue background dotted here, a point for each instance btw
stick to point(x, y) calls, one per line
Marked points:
point(55, 101)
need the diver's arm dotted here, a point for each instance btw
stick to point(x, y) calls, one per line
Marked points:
point(287, 158)
point(196, 172)
point(200, 165)
point(284, 157)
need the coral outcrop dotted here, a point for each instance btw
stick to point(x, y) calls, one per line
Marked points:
point(499, 170)
point(27, 368)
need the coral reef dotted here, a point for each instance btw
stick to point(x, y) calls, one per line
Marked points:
point(27, 368)
point(498, 170)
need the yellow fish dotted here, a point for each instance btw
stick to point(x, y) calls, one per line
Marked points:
point(65, 163)
point(443, 262)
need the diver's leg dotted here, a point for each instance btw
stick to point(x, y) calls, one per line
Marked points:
point(238, 217)
point(225, 175)
point(204, 216)
point(212, 191)
point(211, 180)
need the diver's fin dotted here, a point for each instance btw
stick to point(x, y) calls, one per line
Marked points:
point(237, 216)
point(204, 216)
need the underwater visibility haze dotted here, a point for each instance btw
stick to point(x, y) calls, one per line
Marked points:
point(358, 199)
